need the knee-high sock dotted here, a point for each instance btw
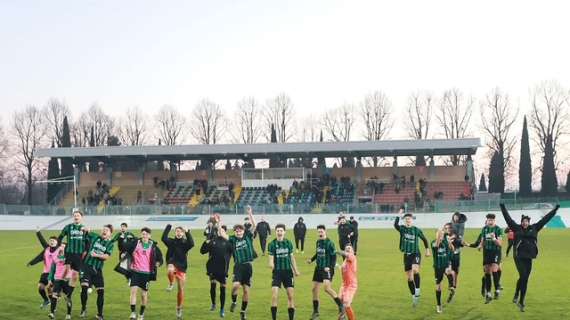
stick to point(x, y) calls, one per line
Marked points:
point(142, 310)
point(100, 301)
point(417, 280)
point(53, 304)
point(180, 299)
point(234, 298)
point(450, 281)
point(500, 273)
point(171, 278)
point(274, 313)
point(438, 297)
point(222, 296)
point(315, 306)
point(243, 306)
point(483, 284)
point(487, 282)
point(350, 313)
point(291, 312)
point(496, 281)
point(69, 304)
point(84, 298)
point(213, 292)
point(412, 287)
point(43, 294)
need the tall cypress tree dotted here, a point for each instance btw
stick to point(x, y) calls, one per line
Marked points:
point(274, 161)
point(548, 182)
point(66, 163)
point(493, 174)
point(482, 184)
point(53, 173)
point(321, 163)
point(525, 166)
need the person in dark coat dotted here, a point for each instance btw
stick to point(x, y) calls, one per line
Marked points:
point(345, 233)
point(300, 230)
point(263, 230)
point(354, 238)
point(525, 248)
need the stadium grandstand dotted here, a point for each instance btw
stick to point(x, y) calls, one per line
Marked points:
point(137, 179)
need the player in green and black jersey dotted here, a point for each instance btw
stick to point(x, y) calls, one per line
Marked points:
point(442, 251)
point(324, 271)
point(409, 246)
point(457, 242)
point(100, 249)
point(242, 247)
point(491, 243)
point(284, 267)
point(75, 235)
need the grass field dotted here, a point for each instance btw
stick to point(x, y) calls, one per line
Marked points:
point(382, 293)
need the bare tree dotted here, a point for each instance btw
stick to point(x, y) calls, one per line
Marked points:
point(99, 125)
point(80, 132)
point(420, 112)
point(55, 110)
point(3, 143)
point(207, 122)
point(497, 118)
point(279, 111)
point(376, 111)
point(454, 117)
point(338, 123)
point(247, 115)
point(30, 133)
point(311, 129)
point(170, 125)
point(133, 127)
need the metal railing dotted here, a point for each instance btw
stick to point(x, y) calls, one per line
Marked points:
point(436, 206)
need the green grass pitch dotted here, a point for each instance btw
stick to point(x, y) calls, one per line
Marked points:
point(382, 292)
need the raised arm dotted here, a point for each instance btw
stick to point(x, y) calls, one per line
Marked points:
point(41, 238)
point(190, 241)
point(62, 234)
point(165, 233)
point(510, 222)
point(540, 224)
point(251, 218)
point(397, 224)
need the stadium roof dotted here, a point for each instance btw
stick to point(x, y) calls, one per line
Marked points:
point(385, 148)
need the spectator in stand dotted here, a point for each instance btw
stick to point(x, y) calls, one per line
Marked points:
point(263, 230)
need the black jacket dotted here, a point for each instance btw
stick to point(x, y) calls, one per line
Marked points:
point(177, 249)
point(526, 239)
point(300, 229)
point(344, 232)
point(262, 229)
point(220, 253)
point(156, 256)
point(40, 257)
point(122, 238)
point(354, 225)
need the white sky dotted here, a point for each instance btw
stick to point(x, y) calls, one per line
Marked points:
point(321, 53)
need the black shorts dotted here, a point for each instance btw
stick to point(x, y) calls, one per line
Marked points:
point(44, 279)
point(217, 276)
point(74, 260)
point(410, 259)
point(439, 273)
point(283, 277)
point(491, 257)
point(141, 280)
point(320, 275)
point(91, 277)
point(60, 286)
point(243, 273)
point(455, 262)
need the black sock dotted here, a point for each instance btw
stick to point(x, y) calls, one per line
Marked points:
point(315, 306)
point(133, 307)
point(487, 282)
point(417, 280)
point(213, 292)
point(291, 312)
point(69, 304)
point(142, 310)
point(222, 296)
point(412, 287)
point(84, 298)
point(500, 272)
point(438, 297)
point(338, 302)
point(450, 281)
point(53, 304)
point(483, 284)
point(100, 301)
point(243, 306)
point(496, 280)
point(234, 298)
point(274, 313)
point(43, 293)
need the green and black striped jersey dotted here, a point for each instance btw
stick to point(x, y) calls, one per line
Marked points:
point(326, 251)
point(281, 252)
point(441, 254)
point(242, 248)
point(409, 238)
point(74, 237)
point(487, 236)
point(98, 245)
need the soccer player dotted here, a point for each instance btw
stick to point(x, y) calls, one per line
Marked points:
point(441, 263)
point(58, 278)
point(177, 261)
point(146, 258)
point(526, 249)
point(218, 264)
point(100, 249)
point(122, 238)
point(242, 247)
point(325, 256)
point(76, 237)
point(349, 281)
point(48, 256)
point(284, 268)
point(491, 243)
point(456, 243)
point(409, 245)
point(263, 230)
point(300, 230)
